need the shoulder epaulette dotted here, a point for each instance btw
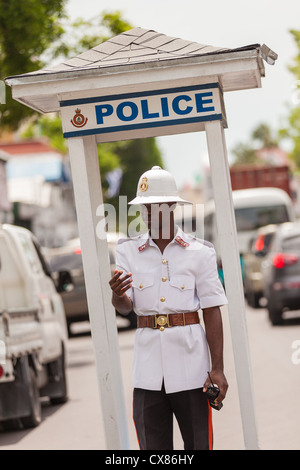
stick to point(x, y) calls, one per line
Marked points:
point(144, 246)
point(181, 242)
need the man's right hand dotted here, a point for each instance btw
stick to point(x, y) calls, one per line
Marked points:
point(119, 285)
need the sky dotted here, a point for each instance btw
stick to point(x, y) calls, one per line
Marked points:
point(230, 24)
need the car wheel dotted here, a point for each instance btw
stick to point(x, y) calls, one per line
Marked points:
point(70, 334)
point(253, 299)
point(61, 392)
point(35, 416)
point(12, 425)
point(275, 314)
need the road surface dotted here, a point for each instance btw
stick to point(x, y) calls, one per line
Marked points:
point(276, 379)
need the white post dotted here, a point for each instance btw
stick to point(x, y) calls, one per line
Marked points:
point(226, 227)
point(88, 196)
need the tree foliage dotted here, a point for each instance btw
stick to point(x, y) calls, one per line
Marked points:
point(49, 127)
point(246, 152)
point(264, 135)
point(295, 67)
point(292, 129)
point(27, 29)
point(136, 157)
point(133, 157)
point(81, 35)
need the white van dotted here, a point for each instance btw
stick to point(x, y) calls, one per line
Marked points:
point(254, 208)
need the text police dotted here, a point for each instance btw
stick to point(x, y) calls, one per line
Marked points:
point(165, 106)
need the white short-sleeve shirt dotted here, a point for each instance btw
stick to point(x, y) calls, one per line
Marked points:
point(182, 279)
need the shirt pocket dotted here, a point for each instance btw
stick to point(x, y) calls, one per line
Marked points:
point(143, 290)
point(182, 292)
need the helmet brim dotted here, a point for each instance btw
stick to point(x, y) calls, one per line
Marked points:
point(158, 200)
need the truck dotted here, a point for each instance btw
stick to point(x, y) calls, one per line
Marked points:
point(33, 331)
point(261, 176)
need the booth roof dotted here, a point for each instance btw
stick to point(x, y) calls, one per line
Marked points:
point(135, 46)
point(153, 59)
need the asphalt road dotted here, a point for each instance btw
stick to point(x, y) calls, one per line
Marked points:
point(276, 380)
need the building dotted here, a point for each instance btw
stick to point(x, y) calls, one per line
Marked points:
point(40, 190)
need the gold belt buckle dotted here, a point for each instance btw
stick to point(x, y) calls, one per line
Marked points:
point(161, 321)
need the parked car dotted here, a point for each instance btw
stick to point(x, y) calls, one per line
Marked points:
point(68, 258)
point(281, 272)
point(258, 249)
point(33, 332)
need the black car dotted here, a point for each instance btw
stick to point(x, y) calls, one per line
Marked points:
point(281, 272)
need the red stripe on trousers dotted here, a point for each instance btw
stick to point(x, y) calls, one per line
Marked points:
point(210, 428)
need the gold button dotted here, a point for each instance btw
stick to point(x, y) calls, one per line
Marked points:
point(141, 286)
point(162, 328)
point(162, 299)
point(182, 287)
point(163, 279)
point(164, 261)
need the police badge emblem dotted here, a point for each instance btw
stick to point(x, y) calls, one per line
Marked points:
point(79, 120)
point(144, 185)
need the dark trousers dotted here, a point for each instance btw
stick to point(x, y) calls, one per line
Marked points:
point(153, 417)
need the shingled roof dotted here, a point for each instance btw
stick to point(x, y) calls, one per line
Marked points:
point(135, 46)
point(153, 60)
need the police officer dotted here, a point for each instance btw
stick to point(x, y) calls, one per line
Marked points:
point(167, 276)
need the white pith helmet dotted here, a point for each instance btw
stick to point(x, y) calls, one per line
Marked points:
point(157, 186)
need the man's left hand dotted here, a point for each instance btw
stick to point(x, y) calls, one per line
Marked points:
point(218, 378)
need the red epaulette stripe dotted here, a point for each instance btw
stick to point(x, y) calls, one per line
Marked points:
point(142, 247)
point(181, 242)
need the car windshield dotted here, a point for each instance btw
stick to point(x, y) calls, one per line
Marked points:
point(251, 218)
point(66, 262)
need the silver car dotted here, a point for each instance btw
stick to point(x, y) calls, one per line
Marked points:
point(252, 264)
point(281, 272)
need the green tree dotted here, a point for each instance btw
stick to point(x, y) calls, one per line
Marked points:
point(136, 157)
point(261, 137)
point(264, 136)
point(244, 154)
point(27, 29)
point(291, 131)
point(81, 35)
point(133, 157)
point(49, 127)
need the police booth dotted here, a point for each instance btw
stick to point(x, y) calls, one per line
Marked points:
point(140, 84)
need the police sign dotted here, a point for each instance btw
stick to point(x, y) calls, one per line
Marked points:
point(143, 113)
